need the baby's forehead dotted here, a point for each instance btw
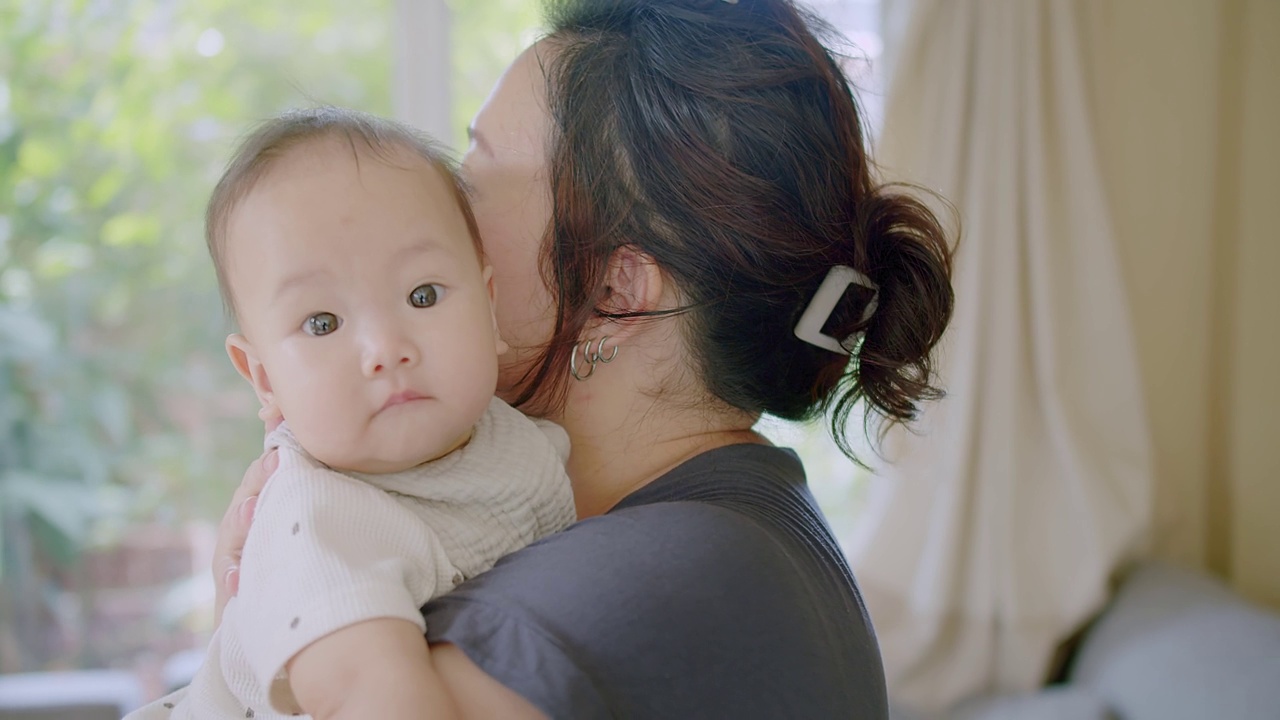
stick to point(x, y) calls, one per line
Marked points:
point(291, 174)
point(306, 185)
point(347, 150)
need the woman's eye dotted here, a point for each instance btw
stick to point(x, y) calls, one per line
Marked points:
point(425, 295)
point(321, 324)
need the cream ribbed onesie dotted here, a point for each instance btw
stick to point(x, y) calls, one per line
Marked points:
point(328, 549)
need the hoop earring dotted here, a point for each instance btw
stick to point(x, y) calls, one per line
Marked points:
point(573, 362)
point(598, 355)
point(591, 357)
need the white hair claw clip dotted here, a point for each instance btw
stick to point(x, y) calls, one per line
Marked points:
point(838, 279)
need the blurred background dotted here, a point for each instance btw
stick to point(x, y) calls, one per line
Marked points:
point(1100, 485)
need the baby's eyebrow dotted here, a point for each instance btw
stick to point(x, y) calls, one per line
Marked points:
point(424, 245)
point(296, 280)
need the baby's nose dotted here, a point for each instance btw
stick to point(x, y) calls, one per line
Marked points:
point(390, 353)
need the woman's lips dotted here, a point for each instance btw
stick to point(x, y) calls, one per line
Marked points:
point(400, 398)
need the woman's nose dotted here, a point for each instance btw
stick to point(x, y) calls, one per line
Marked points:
point(388, 352)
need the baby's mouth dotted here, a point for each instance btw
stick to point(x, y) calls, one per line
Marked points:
point(401, 398)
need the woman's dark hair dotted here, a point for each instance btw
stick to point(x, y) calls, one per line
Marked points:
point(723, 140)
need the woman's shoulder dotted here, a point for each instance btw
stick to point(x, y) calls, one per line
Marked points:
point(616, 553)
point(740, 513)
point(707, 578)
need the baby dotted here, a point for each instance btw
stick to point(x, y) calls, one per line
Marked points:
point(347, 250)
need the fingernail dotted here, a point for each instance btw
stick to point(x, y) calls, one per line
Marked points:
point(272, 462)
point(231, 579)
point(246, 508)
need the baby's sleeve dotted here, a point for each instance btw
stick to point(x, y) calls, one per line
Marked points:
point(326, 551)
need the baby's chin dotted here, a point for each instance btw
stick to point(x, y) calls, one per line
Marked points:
point(380, 465)
point(390, 461)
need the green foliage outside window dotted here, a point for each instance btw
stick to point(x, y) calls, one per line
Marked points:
point(117, 404)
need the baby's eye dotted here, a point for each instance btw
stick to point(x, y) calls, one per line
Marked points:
point(425, 295)
point(321, 323)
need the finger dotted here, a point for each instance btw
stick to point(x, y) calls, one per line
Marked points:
point(226, 575)
point(229, 585)
point(255, 478)
point(234, 528)
point(246, 512)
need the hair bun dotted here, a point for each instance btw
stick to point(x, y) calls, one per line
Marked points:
point(910, 259)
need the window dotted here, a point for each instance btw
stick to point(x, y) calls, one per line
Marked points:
point(123, 428)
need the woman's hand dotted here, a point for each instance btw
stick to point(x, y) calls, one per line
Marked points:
point(235, 528)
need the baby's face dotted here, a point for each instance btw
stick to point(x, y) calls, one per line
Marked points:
point(367, 315)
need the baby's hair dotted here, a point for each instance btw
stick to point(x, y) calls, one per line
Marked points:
point(277, 137)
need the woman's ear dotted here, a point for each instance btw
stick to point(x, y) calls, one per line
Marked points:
point(634, 284)
point(487, 274)
point(246, 362)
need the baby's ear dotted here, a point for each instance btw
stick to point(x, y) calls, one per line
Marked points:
point(246, 362)
point(493, 309)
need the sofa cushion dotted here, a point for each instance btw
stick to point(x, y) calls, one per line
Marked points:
point(1054, 703)
point(1176, 645)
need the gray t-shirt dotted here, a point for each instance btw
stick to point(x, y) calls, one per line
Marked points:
point(716, 591)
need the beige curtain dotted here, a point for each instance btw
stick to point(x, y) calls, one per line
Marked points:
point(993, 529)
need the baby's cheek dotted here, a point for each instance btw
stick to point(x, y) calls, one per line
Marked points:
point(322, 436)
point(323, 418)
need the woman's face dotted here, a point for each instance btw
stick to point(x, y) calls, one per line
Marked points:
point(506, 165)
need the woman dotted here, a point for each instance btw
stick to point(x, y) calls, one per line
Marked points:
point(685, 233)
